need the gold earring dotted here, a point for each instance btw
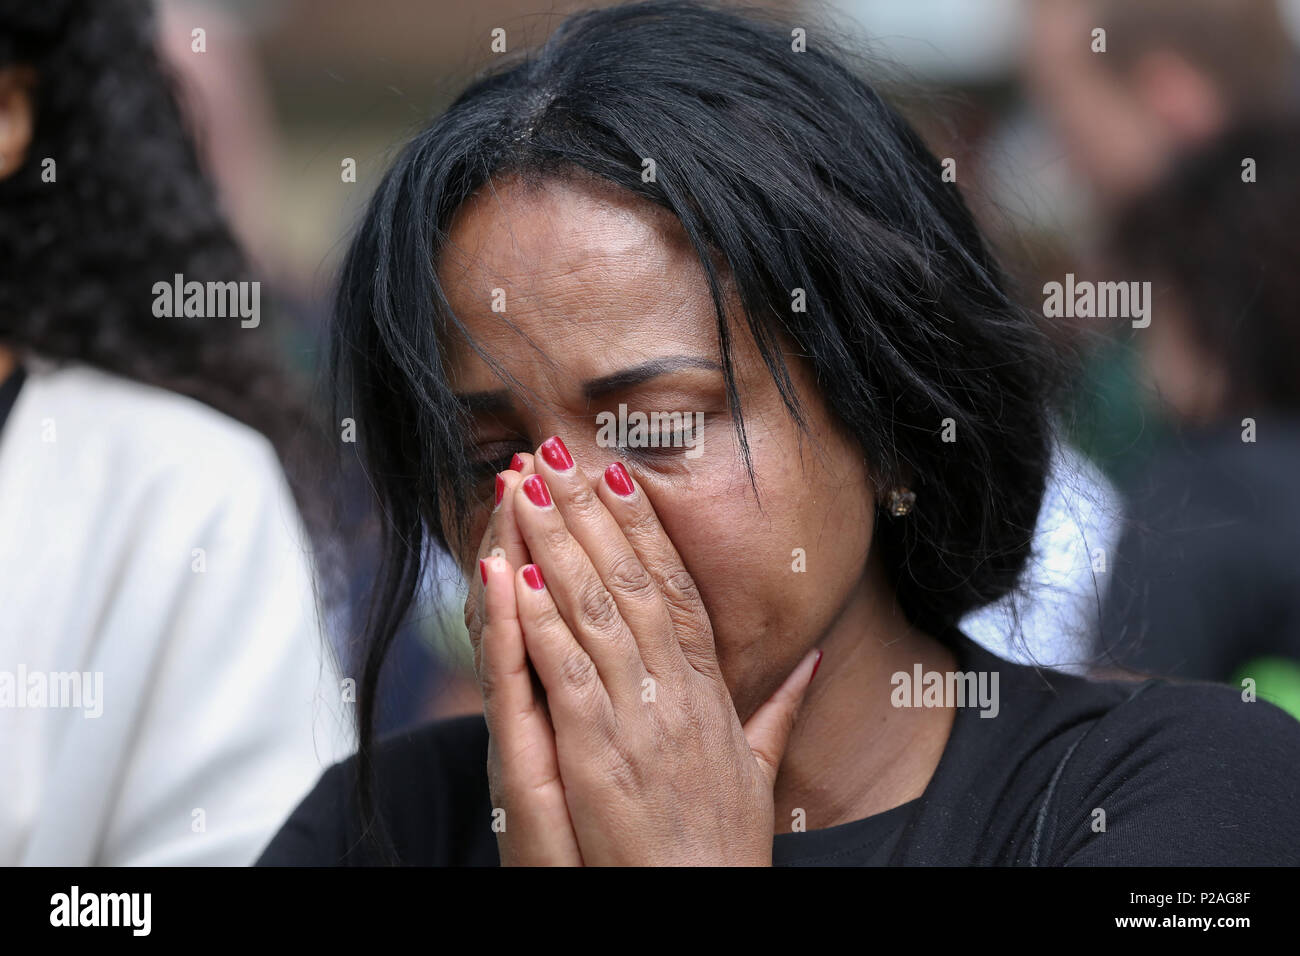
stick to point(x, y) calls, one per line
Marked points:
point(900, 501)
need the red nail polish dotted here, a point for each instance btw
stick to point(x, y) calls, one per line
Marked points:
point(533, 575)
point(501, 489)
point(555, 454)
point(516, 463)
point(619, 481)
point(482, 568)
point(815, 666)
point(537, 491)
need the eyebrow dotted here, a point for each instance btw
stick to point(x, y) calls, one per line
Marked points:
point(593, 388)
point(637, 374)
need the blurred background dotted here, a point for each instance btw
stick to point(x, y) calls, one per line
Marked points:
point(1068, 143)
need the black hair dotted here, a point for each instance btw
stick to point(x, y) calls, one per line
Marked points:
point(1233, 267)
point(130, 207)
point(786, 171)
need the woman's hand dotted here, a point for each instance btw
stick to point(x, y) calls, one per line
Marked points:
point(656, 767)
point(523, 772)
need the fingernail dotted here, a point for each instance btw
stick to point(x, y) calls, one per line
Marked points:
point(537, 491)
point(533, 575)
point(619, 481)
point(817, 665)
point(501, 488)
point(482, 568)
point(516, 463)
point(555, 454)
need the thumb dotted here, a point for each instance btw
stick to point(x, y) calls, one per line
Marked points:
point(768, 730)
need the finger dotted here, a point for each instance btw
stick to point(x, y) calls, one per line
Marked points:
point(628, 505)
point(524, 766)
point(589, 610)
point(578, 699)
point(522, 462)
point(504, 677)
point(617, 564)
point(501, 538)
point(768, 730)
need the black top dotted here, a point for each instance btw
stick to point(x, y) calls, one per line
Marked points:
point(1185, 774)
point(1206, 576)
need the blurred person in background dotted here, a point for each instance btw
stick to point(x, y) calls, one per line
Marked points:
point(225, 94)
point(1207, 577)
point(1173, 75)
point(166, 694)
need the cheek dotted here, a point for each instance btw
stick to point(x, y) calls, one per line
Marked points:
point(773, 579)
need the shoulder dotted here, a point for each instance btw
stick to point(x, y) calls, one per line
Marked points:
point(432, 792)
point(1180, 774)
point(82, 414)
point(145, 468)
point(1071, 770)
point(447, 751)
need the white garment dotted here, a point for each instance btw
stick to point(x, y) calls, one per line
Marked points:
point(148, 538)
point(1066, 576)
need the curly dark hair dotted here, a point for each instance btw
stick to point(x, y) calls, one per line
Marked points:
point(785, 171)
point(131, 206)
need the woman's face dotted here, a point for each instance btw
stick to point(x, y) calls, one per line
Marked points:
point(609, 308)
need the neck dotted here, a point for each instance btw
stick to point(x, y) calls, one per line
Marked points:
point(8, 362)
point(852, 753)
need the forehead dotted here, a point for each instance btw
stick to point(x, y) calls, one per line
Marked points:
point(589, 274)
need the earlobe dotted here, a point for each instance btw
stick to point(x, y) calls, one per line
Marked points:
point(17, 116)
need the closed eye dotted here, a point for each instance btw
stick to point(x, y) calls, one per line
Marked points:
point(494, 457)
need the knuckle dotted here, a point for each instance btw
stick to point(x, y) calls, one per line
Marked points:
point(627, 575)
point(680, 589)
point(547, 619)
point(487, 684)
point(680, 720)
point(618, 770)
point(555, 536)
point(699, 715)
point(624, 776)
point(584, 504)
point(473, 620)
point(642, 523)
point(597, 607)
point(576, 671)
